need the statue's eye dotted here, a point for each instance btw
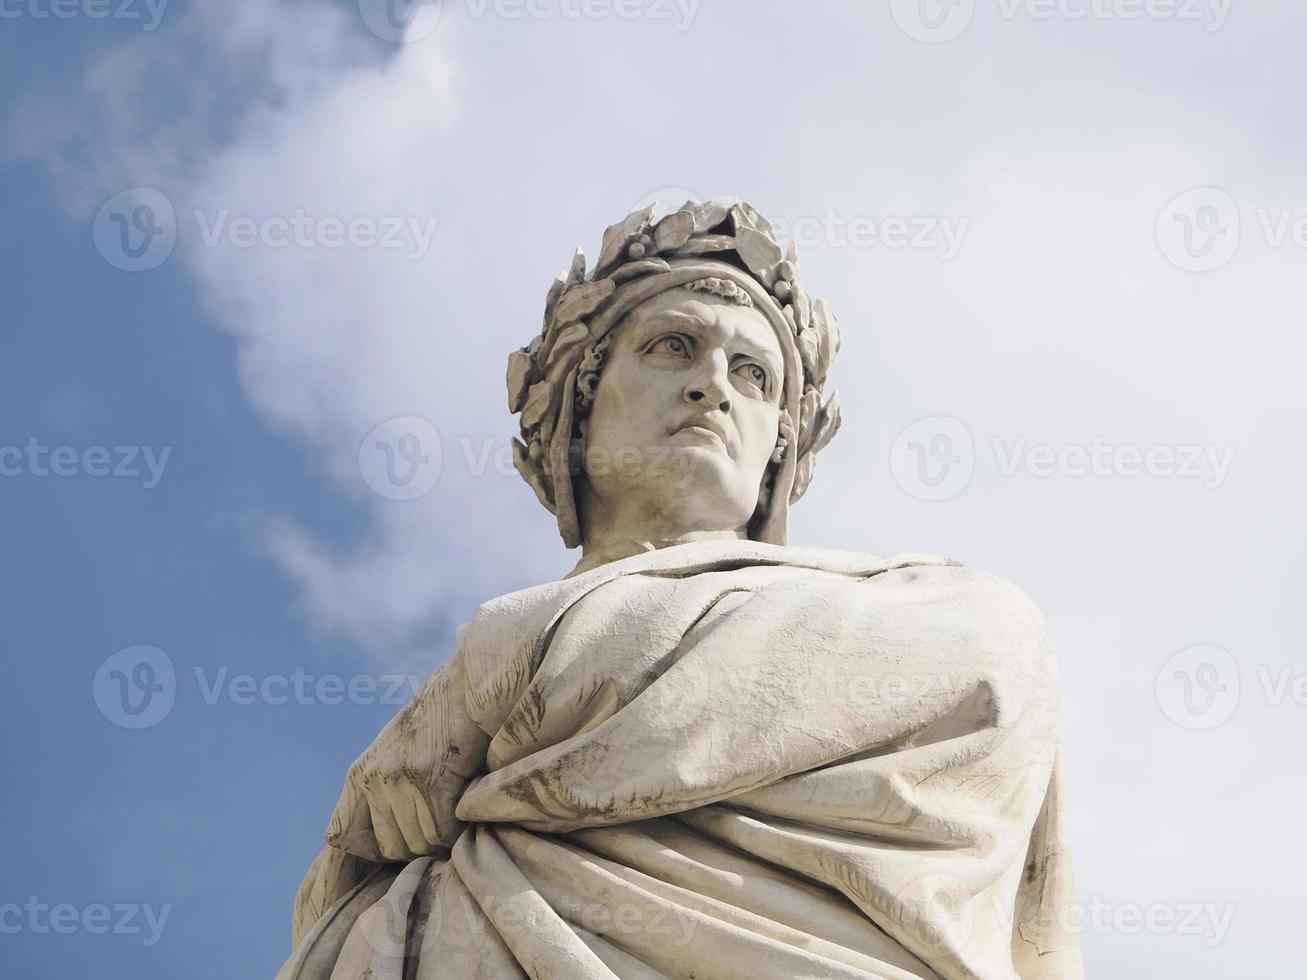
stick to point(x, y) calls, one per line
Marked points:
point(674, 344)
point(754, 374)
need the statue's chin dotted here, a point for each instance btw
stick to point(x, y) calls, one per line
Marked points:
point(686, 483)
point(702, 467)
point(708, 493)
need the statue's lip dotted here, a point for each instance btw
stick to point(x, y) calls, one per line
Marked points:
point(708, 425)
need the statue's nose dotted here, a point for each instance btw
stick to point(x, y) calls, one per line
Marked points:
point(712, 386)
point(699, 395)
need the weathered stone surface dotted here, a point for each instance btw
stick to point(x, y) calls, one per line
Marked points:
point(705, 752)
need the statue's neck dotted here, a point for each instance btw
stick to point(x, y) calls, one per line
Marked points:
point(601, 552)
point(631, 524)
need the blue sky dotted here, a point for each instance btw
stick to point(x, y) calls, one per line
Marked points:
point(1045, 167)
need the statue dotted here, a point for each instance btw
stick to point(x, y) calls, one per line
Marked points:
point(704, 753)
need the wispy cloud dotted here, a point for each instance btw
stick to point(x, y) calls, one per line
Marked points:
point(279, 110)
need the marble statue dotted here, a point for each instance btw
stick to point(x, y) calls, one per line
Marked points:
point(704, 753)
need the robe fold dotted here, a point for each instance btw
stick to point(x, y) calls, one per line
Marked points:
point(719, 760)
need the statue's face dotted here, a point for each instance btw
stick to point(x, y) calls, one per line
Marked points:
point(685, 416)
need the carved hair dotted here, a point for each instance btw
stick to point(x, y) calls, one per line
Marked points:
point(727, 290)
point(587, 374)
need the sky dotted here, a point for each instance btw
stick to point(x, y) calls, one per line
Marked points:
point(263, 262)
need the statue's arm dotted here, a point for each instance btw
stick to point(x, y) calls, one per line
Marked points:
point(332, 876)
point(399, 796)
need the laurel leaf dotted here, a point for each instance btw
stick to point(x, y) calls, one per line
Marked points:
point(566, 341)
point(519, 371)
point(807, 413)
point(580, 301)
point(708, 214)
point(746, 216)
point(802, 304)
point(828, 423)
point(576, 274)
point(759, 252)
point(802, 476)
point(555, 291)
point(808, 353)
point(537, 404)
point(673, 231)
point(643, 267)
point(531, 473)
point(704, 244)
point(833, 329)
point(616, 237)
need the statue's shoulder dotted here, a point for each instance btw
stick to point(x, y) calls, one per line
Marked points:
point(919, 576)
point(974, 594)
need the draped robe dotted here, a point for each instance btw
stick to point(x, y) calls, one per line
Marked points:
point(718, 760)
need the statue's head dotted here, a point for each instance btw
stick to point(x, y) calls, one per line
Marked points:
point(677, 387)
